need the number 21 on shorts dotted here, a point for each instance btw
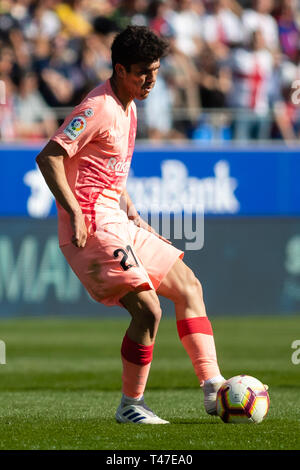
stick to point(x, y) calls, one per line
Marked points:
point(127, 256)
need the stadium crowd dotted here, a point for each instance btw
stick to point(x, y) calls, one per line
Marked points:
point(229, 74)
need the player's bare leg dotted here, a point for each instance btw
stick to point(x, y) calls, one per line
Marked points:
point(194, 328)
point(144, 308)
point(136, 353)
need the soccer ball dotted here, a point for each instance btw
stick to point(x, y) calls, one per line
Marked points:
point(242, 399)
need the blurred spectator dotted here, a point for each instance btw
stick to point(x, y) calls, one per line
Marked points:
point(43, 20)
point(21, 48)
point(157, 13)
point(288, 27)
point(60, 75)
point(6, 60)
point(72, 16)
point(96, 51)
point(8, 131)
point(222, 26)
point(34, 119)
point(96, 8)
point(214, 80)
point(287, 105)
point(251, 71)
point(185, 21)
point(7, 22)
point(8, 64)
point(182, 78)
point(21, 11)
point(158, 113)
point(130, 12)
point(259, 18)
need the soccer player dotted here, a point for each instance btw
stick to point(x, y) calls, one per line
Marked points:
point(117, 256)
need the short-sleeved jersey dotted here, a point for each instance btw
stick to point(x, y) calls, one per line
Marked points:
point(98, 137)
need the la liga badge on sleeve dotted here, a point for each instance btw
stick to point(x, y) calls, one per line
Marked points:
point(75, 127)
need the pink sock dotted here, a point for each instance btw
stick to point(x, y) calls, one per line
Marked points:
point(136, 359)
point(197, 338)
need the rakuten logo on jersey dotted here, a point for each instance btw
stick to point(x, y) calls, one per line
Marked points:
point(120, 168)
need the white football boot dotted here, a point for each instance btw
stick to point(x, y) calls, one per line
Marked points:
point(210, 390)
point(136, 411)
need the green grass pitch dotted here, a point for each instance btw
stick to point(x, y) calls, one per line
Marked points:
point(60, 386)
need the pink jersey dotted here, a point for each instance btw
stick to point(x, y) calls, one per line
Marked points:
point(99, 138)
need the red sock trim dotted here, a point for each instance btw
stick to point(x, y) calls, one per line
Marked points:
point(136, 353)
point(189, 326)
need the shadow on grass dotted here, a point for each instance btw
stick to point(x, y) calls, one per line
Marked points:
point(196, 421)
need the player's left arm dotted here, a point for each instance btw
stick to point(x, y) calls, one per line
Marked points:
point(127, 205)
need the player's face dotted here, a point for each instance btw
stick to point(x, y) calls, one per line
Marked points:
point(141, 78)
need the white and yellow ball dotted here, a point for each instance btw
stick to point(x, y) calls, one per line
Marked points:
point(243, 399)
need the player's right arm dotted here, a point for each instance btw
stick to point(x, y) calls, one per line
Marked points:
point(51, 163)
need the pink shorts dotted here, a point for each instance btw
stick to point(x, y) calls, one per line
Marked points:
point(120, 258)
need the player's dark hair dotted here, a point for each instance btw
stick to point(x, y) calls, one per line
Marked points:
point(137, 44)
